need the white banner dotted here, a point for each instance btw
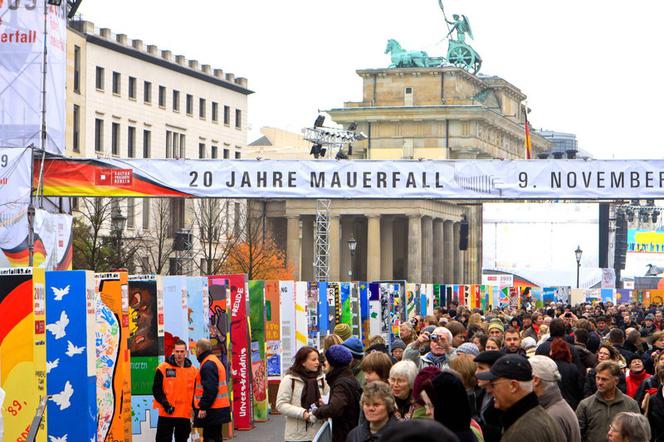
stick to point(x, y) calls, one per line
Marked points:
point(21, 60)
point(461, 179)
point(14, 198)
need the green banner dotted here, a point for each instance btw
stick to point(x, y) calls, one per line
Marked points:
point(258, 360)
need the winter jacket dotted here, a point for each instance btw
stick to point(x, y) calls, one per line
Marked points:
point(656, 416)
point(562, 413)
point(362, 433)
point(490, 418)
point(288, 404)
point(209, 374)
point(595, 414)
point(344, 404)
point(634, 381)
point(590, 386)
point(588, 358)
point(649, 384)
point(526, 420)
point(569, 384)
point(412, 353)
point(544, 349)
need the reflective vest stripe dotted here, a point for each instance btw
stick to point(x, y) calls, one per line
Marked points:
point(221, 399)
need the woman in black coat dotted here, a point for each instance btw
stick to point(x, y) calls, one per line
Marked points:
point(344, 404)
point(570, 385)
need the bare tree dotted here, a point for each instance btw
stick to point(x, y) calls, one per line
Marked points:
point(157, 242)
point(92, 248)
point(214, 232)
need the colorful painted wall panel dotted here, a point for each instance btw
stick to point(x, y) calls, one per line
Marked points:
point(411, 300)
point(323, 311)
point(365, 324)
point(258, 362)
point(220, 321)
point(146, 344)
point(346, 310)
point(22, 326)
point(334, 301)
point(273, 330)
point(623, 296)
point(288, 341)
point(312, 315)
point(113, 358)
point(198, 313)
point(375, 310)
point(301, 334)
point(71, 355)
point(356, 324)
point(240, 356)
point(175, 312)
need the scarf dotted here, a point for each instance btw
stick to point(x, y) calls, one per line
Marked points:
point(310, 392)
point(437, 360)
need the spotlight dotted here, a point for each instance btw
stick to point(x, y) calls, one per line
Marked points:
point(643, 215)
point(350, 149)
point(630, 215)
point(654, 215)
point(319, 121)
point(317, 150)
point(352, 126)
point(54, 2)
point(341, 155)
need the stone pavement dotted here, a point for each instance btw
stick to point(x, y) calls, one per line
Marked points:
point(272, 430)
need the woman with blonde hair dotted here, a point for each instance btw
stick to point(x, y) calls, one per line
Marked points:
point(466, 369)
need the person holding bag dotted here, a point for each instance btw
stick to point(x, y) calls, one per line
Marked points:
point(299, 394)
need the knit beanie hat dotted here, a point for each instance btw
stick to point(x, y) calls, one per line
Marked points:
point(528, 342)
point(468, 348)
point(338, 356)
point(423, 381)
point(398, 343)
point(343, 331)
point(355, 346)
point(496, 324)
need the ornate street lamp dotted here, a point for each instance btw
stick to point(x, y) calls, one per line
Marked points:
point(578, 252)
point(352, 245)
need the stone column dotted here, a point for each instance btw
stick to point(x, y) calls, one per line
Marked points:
point(458, 258)
point(307, 269)
point(427, 250)
point(334, 258)
point(386, 248)
point(414, 248)
point(293, 244)
point(373, 247)
point(438, 251)
point(344, 252)
point(448, 252)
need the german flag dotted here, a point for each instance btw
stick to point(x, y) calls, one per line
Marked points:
point(528, 141)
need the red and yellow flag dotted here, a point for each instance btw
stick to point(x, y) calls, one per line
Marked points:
point(528, 141)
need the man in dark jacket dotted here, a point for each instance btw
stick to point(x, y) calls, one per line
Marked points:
point(617, 339)
point(211, 399)
point(557, 330)
point(656, 408)
point(588, 359)
point(173, 391)
point(489, 416)
point(523, 419)
point(344, 404)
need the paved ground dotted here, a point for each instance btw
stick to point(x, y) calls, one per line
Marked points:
point(272, 430)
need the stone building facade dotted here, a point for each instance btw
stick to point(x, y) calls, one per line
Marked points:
point(413, 113)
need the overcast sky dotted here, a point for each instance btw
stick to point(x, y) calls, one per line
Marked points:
point(588, 67)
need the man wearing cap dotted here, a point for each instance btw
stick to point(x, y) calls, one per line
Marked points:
point(648, 326)
point(398, 346)
point(545, 385)
point(596, 412)
point(489, 416)
point(524, 419)
point(496, 329)
point(441, 350)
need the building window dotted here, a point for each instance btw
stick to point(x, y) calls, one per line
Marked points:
point(169, 144)
point(238, 155)
point(147, 143)
point(99, 135)
point(214, 152)
point(215, 112)
point(77, 69)
point(74, 203)
point(115, 139)
point(183, 149)
point(201, 108)
point(99, 78)
point(116, 83)
point(131, 213)
point(131, 142)
point(190, 104)
point(147, 92)
point(227, 154)
point(227, 115)
point(146, 213)
point(162, 96)
point(238, 119)
point(201, 150)
point(176, 101)
point(76, 129)
point(132, 88)
point(176, 215)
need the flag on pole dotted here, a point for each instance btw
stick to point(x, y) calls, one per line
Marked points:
point(528, 141)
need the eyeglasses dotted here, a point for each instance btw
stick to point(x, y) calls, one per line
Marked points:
point(397, 381)
point(613, 429)
point(494, 383)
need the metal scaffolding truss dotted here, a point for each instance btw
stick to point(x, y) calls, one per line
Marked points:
point(321, 240)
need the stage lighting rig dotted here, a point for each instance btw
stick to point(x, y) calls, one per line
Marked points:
point(326, 138)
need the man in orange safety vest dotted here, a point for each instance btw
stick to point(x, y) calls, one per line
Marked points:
point(211, 398)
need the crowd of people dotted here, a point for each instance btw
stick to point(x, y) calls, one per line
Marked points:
point(576, 373)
